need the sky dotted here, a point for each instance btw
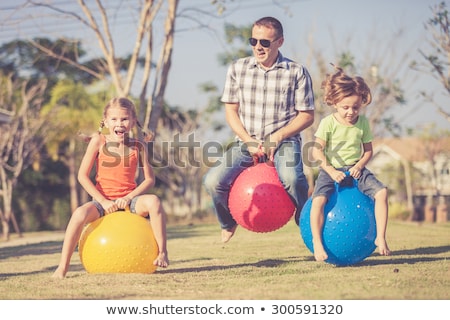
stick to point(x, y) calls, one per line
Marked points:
point(365, 27)
point(331, 23)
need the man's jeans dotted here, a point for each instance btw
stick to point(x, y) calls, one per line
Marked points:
point(287, 161)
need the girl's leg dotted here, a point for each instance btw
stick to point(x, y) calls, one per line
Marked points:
point(150, 204)
point(381, 218)
point(317, 221)
point(80, 217)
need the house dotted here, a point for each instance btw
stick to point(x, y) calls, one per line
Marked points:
point(417, 171)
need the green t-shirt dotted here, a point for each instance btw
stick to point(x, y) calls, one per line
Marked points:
point(344, 144)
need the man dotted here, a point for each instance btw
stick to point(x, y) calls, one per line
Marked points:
point(268, 101)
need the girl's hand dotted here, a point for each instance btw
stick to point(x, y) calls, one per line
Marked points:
point(123, 202)
point(109, 206)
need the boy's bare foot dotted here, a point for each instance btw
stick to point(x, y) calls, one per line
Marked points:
point(383, 248)
point(59, 273)
point(228, 233)
point(162, 260)
point(319, 251)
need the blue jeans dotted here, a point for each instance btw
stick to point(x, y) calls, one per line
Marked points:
point(287, 161)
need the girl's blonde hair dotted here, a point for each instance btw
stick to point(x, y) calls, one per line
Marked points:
point(121, 102)
point(338, 86)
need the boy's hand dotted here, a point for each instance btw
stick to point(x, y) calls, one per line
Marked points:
point(355, 172)
point(337, 175)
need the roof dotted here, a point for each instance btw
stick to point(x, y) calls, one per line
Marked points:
point(411, 148)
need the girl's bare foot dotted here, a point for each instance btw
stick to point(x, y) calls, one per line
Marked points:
point(383, 248)
point(319, 251)
point(162, 260)
point(59, 273)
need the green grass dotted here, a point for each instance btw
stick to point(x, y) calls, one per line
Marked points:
point(252, 266)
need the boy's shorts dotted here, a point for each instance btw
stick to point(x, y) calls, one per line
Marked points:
point(367, 183)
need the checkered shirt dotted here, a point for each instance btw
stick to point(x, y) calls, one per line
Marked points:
point(268, 99)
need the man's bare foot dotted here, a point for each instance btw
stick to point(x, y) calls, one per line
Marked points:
point(319, 252)
point(383, 248)
point(228, 233)
point(162, 260)
point(59, 273)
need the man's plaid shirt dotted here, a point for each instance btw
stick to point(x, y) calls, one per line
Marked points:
point(268, 99)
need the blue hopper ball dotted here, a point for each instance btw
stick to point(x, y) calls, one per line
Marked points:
point(349, 229)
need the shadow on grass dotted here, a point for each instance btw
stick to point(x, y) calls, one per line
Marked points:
point(424, 251)
point(51, 247)
point(408, 256)
point(49, 270)
point(186, 231)
point(416, 255)
point(269, 263)
point(47, 247)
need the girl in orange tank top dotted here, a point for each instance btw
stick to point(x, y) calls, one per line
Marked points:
point(117, 158)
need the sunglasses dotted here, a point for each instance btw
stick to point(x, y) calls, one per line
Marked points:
point(264, 42)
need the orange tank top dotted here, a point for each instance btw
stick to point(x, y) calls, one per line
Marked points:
point(116, 173)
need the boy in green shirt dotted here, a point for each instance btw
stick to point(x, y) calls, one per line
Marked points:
point(344, 143)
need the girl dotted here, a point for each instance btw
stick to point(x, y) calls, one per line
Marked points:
point(116, 157)
point(344, 143)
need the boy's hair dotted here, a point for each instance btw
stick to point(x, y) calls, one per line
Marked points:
point(338, 86)
point(270, 22)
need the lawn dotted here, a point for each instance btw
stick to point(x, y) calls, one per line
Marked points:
point(252, 266)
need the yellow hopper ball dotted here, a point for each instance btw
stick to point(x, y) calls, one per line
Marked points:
point(119, 242)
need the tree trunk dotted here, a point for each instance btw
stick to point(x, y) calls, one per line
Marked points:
point(442, 210)
point(408, 187)
point(7, 215)
point(72, 176)
point(429, 210)
point(156, 102)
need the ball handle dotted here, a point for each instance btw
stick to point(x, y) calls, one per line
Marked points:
point(345, 184)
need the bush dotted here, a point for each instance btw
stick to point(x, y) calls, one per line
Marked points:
point(398, 211)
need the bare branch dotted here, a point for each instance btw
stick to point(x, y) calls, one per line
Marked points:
point(163, 67)
point(53, 54)
point(107, 52)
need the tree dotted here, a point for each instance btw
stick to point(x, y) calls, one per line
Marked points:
point(19, 139)
point(100, 24)
point(436, 149)
point(437, 62)
point(72, 109)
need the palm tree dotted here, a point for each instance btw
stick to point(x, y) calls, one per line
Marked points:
point(71, 110)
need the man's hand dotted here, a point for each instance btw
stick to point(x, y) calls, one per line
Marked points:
point(271, 144)
point(255, 149)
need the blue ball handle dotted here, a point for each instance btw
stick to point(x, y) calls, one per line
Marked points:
point(339, 185)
